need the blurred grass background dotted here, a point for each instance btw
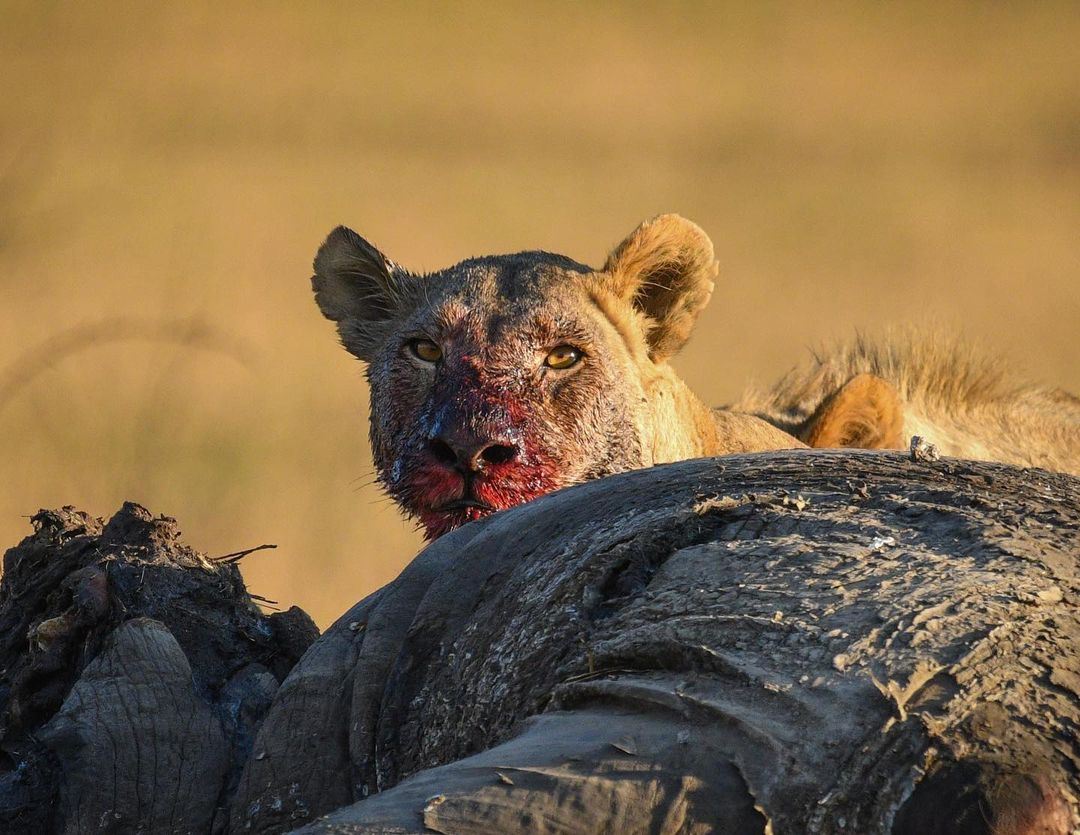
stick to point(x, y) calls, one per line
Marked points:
point(167, 172)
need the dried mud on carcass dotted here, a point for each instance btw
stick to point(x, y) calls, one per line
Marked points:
point(795, 642)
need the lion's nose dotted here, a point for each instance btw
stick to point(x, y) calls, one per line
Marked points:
point(469, 452)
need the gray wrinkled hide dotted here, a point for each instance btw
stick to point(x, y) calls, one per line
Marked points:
point(134, 675)
point(135, 710)
point(786, 640)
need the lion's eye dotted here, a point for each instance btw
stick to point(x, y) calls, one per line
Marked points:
point(426, 350)
point(562, 356)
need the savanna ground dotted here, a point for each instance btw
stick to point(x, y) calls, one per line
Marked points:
point(166, 175)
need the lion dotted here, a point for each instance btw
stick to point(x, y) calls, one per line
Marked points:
point(506, 377)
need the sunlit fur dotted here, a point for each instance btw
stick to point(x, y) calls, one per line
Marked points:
point(969, 405)
point(622, 407)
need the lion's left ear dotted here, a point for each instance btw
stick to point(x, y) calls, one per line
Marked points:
point(665, 269)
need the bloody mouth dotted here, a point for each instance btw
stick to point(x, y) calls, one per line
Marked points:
point(444, 499)
point(454, 514)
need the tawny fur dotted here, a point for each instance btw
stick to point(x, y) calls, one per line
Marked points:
point(968, 404)
point(488, 424)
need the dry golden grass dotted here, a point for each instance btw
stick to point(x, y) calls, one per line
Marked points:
point(166, 175)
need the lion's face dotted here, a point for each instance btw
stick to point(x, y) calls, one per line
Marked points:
point(494, 381)
point(507, 383)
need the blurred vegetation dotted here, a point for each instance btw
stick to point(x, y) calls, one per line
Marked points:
point(167, 172)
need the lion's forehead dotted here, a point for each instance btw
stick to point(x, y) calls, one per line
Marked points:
point(477, 312)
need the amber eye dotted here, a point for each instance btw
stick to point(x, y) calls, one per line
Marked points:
point(562, 356)
point(426, 350)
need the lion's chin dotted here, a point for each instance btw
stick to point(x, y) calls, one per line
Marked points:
point(439, 521)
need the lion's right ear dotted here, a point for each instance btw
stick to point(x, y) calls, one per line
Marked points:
point(361, 289)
